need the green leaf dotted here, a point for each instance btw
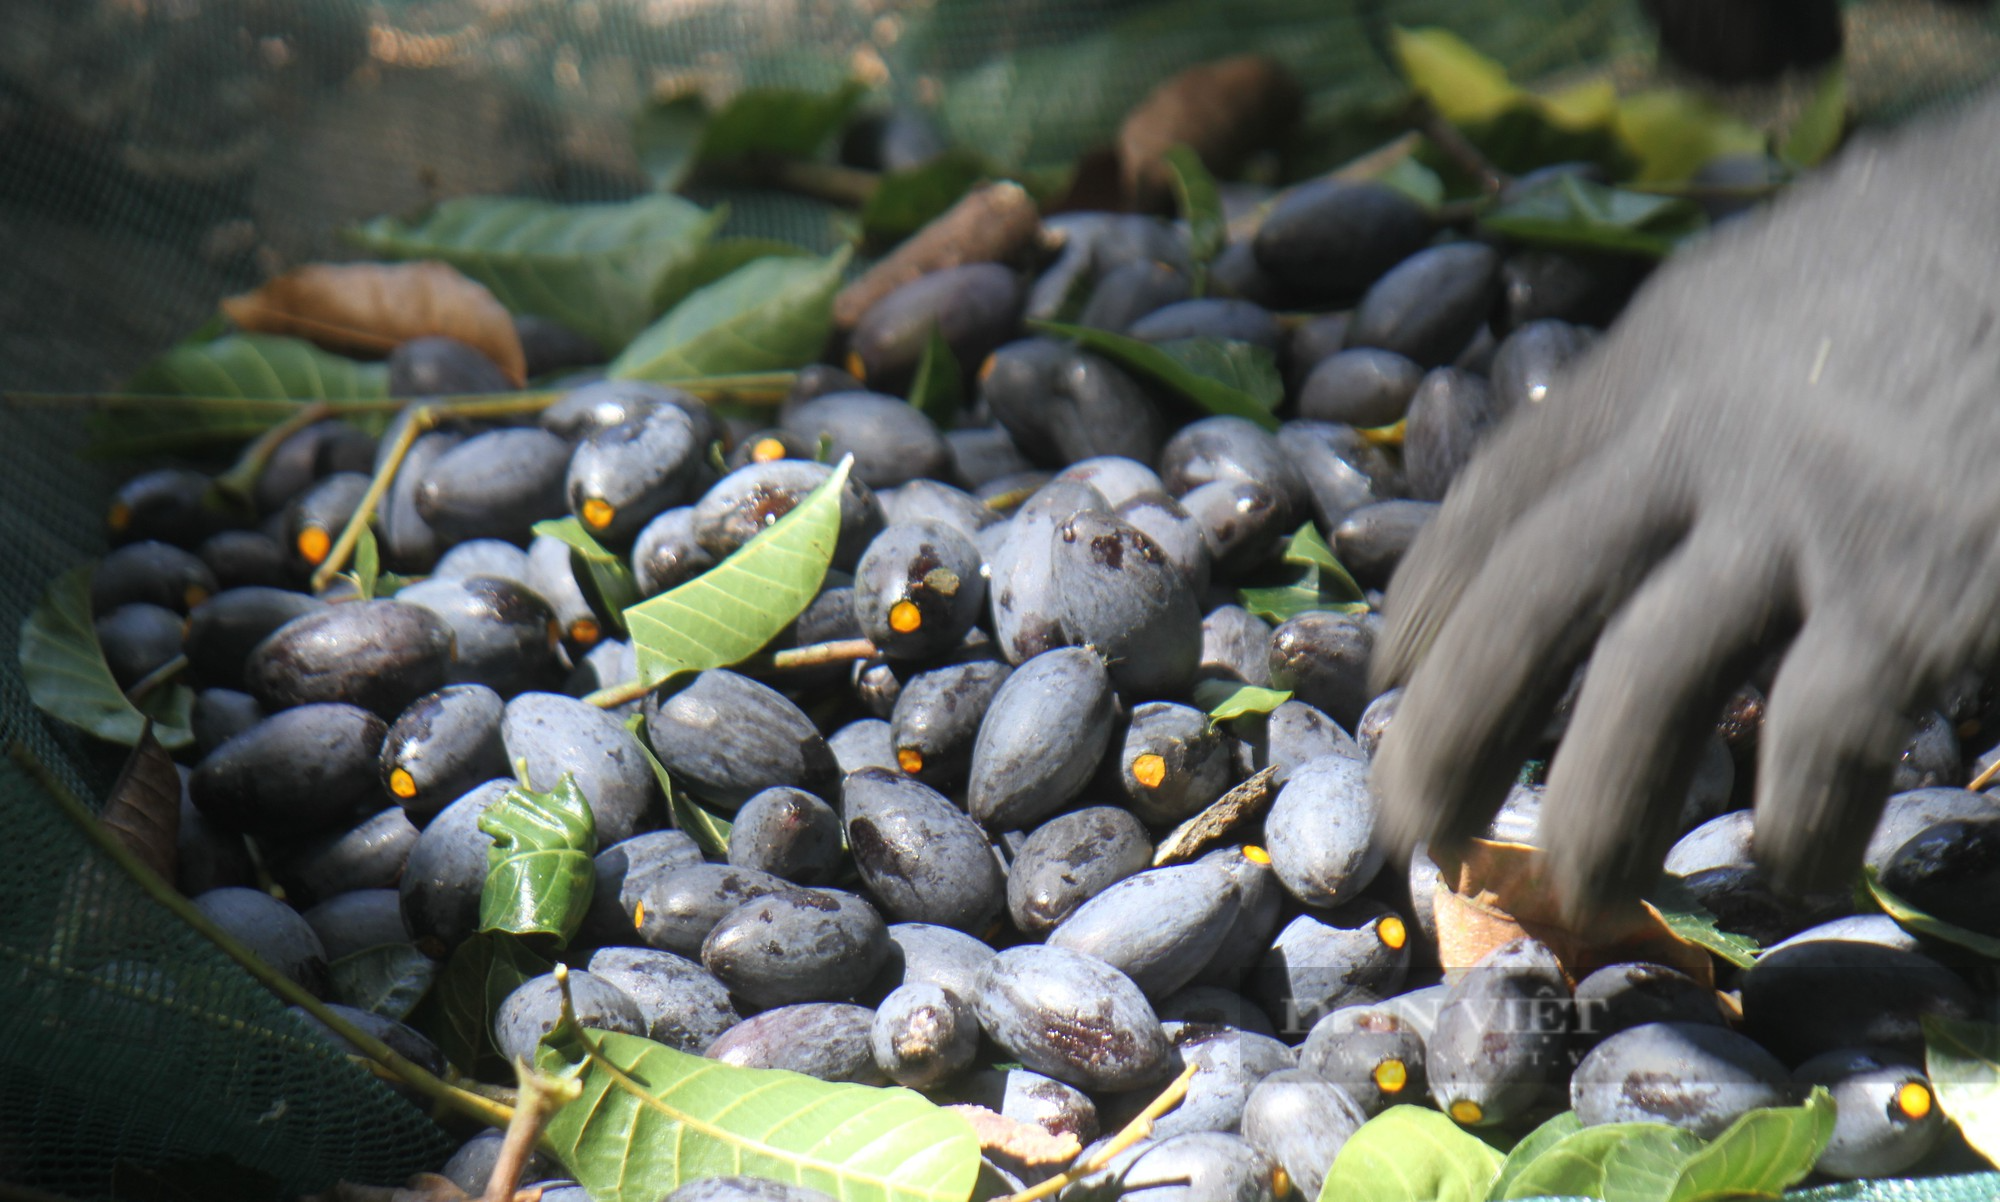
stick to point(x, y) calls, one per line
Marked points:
point(905, 201)
point(1816, 132)
point(596, 268)
point(1962, 1059)
point(480, 974)
point(255, 369)
point(1686, 917)
point(729, 612)
point(782, 121)
point(768, 315)
point(1915, 921)
point(1410, 1154)
point(709, 830)
point(715, 260)
point(1201, 207)
point(666, 135)
point(1307, 548)
point(651, 1118)
point(601, 570)
point(389, 979)
point(367, 574)
point(67, 678)
point(939, 387)
point(1224, 700)
point(1281, 603)
point(1414, 180)
point(1573, 212)
point(1531, 1146)
point(1584, 1163)
point(539, 874)
point(1214, 374)
point(1760, 1154)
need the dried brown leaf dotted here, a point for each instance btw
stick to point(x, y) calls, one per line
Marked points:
point(1023, 1142)
point(371, 308)
point(1245, 803)
point(1492, 893)
point(144, 806)
point(1226, 110)
point(992, 224)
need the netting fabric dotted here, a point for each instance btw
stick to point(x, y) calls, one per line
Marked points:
point(160, 153)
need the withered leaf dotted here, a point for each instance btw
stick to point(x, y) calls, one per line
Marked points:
point(1491, 893)
point(369, 309)
point(144, 806)
point(1023, 1142)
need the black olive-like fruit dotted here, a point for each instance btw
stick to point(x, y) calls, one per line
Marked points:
point(379, 655)
point(504, 635)
point(728, 738)
point(922, 859)
point(621, 478)
point(918, 589)
point(1328, 240)
point(443, 745)
point(892, 441)
point(300, 772)
point(495, 485)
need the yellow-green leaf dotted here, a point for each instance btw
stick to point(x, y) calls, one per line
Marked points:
point(1760, 1154)
point(1224, 700)
point(1963, 1061)
point(651, 1118)
point(1411, 1154)
point(1462, 84)
point(1673, 133)
point(1915, 921)
point(729, 612)
point(771, 314)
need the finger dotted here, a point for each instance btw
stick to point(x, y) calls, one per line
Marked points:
point(1833, 726)
point(1481, 696)
point(1529, 457)
point(1655, 683)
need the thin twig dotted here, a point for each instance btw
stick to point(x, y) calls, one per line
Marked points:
point(1445, 136)
point(240, 480)
point(1139, 1128)
point(420, 422)
point(144, 686)
point(1985, 776)
point(812, 655)
point(540, 1096)
point(288, 990)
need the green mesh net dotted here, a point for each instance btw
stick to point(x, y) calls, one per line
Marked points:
point(161, 153)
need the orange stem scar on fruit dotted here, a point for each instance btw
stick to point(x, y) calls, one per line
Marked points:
point(1149, 770)
point(314, 542)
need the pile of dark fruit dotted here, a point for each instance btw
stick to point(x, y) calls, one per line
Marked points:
point(1059, 783)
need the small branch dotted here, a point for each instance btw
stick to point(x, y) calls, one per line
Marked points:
point(240, 481)
point(1445, 136)
point(848, 187)
point(420, 422)
point(613, 696)
point(813, 655)
point(144, 686)
point(1986, 776)
point(541, 1095)
point(1139, 1128)
point(288, 990)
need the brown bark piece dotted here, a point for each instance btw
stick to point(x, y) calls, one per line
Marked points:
point(1227, 111)
point(992, 224)
point(371, 308)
